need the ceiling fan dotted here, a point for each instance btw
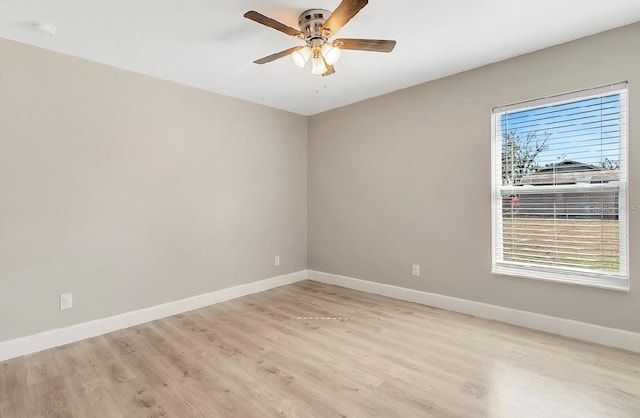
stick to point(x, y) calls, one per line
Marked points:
point(316, 27)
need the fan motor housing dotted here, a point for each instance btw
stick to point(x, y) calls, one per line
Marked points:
point(311, 22)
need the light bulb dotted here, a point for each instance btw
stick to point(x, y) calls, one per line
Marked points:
point(318, 67)
point(330, 53)
point(301, 56)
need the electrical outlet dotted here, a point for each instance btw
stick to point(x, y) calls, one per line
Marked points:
point(276, 261)
point(415, 270)
point(66, 301)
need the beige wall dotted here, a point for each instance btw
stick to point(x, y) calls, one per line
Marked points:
point(129, 191)
point(405, 179)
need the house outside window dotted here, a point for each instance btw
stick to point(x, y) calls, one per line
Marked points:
point(559, 181)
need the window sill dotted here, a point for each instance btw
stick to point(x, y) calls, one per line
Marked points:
point(610, 283)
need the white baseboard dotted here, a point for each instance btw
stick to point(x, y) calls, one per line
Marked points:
point(612, 337)
point(566, 327)
point(61, 336)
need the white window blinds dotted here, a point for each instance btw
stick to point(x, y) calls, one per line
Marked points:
point(560, 188)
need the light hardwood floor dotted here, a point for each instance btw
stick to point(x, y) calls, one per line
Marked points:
point(258, 357)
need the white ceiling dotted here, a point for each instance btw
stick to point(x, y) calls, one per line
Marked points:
point(208, 44)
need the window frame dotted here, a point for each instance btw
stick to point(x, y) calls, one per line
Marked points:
point(614, 281)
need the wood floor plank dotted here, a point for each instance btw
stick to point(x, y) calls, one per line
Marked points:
point(316, 350)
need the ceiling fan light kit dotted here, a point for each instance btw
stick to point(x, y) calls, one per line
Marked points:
point(302, 56)
point(330, 53)
point(318, 66)
point(316, 27)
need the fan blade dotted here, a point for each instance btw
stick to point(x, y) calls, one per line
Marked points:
point(343, 13)
point(277, 55)
point(330, 70)
point(373, 45)
point(267, 21)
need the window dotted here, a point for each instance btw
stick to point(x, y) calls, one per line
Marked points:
point(560, 188)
